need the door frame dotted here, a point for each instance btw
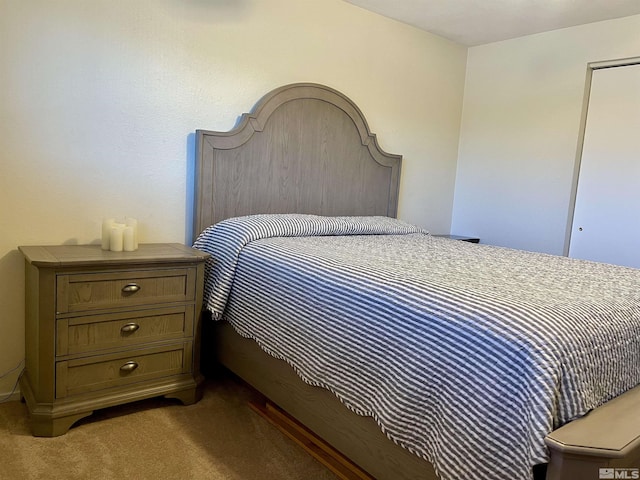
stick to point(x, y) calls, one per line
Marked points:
point(591, 67)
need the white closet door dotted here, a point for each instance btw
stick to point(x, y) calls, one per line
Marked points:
point(606, 223)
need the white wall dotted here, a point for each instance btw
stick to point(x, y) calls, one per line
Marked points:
point(99, 100)
point(519, 136)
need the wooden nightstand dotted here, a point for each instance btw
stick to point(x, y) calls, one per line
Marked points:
point(461, 238)
point(105, 328)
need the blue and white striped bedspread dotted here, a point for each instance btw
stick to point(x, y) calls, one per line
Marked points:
point(467, 355)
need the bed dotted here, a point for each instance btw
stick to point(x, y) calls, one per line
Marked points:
point(302, 169)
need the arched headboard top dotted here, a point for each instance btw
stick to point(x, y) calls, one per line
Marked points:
point(303, 148)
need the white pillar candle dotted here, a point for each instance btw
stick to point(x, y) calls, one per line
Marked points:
point(128, 239)
point(107, 224)
point(132, 222)
point(116, 238)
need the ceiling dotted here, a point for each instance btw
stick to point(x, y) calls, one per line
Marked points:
point(476, 22)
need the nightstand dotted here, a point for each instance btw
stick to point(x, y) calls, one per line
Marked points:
point(105, 328)
point(462, 238)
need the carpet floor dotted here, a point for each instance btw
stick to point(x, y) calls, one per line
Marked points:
point(219, 438)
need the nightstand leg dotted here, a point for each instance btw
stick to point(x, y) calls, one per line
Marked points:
point(48, 427)
point(187, 397)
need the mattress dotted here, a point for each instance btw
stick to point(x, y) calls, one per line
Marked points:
point(467, 355)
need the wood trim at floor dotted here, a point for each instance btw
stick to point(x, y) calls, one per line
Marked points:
point(340, 465)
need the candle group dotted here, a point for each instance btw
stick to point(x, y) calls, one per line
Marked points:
point(119, 237)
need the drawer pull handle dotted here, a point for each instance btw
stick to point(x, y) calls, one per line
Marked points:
point(129, 328)
point(129, 367)
point(131, 288)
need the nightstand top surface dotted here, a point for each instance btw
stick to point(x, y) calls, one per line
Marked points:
point(464, 238)
point(75, 255)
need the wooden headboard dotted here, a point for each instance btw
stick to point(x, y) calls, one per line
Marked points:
point(303, 148)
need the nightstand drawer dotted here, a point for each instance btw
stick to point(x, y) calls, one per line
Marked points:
point(121, 330)
point(104, 290)
point(89, 374)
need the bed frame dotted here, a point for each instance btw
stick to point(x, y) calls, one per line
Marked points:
point(307, 148)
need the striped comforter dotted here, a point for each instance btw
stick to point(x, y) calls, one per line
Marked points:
point(467, 355)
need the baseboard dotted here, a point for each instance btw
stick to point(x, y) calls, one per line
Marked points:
point(9, 388)
point(9, 396)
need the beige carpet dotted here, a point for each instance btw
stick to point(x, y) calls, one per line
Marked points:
point(218, 438)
